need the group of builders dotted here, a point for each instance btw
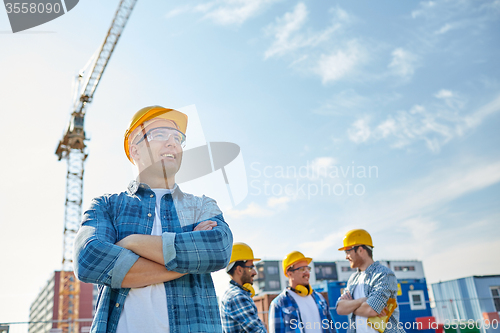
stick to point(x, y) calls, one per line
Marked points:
point(152, 248)
point(369, 297)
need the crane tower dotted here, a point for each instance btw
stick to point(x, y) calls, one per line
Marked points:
point(72, 147)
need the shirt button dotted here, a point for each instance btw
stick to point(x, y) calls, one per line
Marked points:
point(117, 305)
point(149, 214)
point(152, 195)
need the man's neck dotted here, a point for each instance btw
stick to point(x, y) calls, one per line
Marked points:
point(237, 280)
point(293, 284)
point(366, 264)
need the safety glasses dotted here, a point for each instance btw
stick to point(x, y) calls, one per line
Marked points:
point(300, 269)
point(164, 134)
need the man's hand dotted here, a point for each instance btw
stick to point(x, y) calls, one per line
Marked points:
point(346, 296)
point(347, 304)
point(205, 226)
point(384, 313)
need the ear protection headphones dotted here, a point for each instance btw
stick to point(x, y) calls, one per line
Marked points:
point(249, 287)
point(302, 290)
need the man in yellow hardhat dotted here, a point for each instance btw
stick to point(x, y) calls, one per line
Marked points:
point(238, 311)
point(299, 308)
point(369, 291)
point(152, 248)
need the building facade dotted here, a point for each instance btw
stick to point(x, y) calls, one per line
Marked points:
point(475, 298)
point(44, 310)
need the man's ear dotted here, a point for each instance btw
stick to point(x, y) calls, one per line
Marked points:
point(237, 270)
point(134, 152)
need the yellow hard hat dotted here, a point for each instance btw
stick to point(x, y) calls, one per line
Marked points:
point(151, 112)
point(356, 237)
point(241, 252)
point(293, 257)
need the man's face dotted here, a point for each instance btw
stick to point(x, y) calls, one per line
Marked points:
point(300, 274)
point(354, 257)
point(248, 273)
point(155, 152)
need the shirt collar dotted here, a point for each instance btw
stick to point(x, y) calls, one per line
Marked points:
point(135, 186)
point(371, 268)
point(234, 283)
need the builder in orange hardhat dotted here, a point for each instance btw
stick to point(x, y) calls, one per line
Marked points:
point(370, 294)
point(298, 307)
point(153, 247)
point(238, 311)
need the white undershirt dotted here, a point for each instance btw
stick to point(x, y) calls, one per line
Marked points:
point(361, 322)
point(145, 309)
point(309, 313)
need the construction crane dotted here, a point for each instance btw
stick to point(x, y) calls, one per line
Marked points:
point(72, 148)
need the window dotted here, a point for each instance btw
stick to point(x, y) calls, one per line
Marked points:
point(272, 270)
point(325, 271)
point(417, 299)
point(347, 269)
point(274, 285)
point(495, 293)
point(404, 268)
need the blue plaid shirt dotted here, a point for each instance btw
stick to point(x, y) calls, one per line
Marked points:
point(380, 284)
point(238, 311)
point(192, 302)
point(284, 314)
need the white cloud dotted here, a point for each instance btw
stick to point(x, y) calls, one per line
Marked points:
point(342, 102)
point(338, 64)
point(274, 205)
point(278, 201)
point(285, 27)
point(226, 12)
point(252, 210)
point(435, 125)
point(290, 34)
point(359, 131)
point(444, 29)
point(321, 166)
point(178, 11)
point(444, 94)
point(229, 12)
point(403, 63)
point(425, 8)
point(317, 247)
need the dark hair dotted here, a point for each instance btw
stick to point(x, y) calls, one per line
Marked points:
point(236, 264)
point(367, 249)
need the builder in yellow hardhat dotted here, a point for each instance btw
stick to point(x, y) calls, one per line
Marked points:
point(238, 311)
point(299, 308)
point(367, 295)
point(153, 247)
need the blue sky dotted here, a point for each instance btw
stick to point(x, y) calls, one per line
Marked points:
point(409, 90)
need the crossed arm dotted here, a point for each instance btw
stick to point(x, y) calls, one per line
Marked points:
point(150, 267)
point(375, 305)
point(359, 307)
point(141, 260)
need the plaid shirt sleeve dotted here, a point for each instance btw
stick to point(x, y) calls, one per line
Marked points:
point(277, 322)
point(242, 310)
point(97, 259)
point(200, 251)
point(383, 286)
